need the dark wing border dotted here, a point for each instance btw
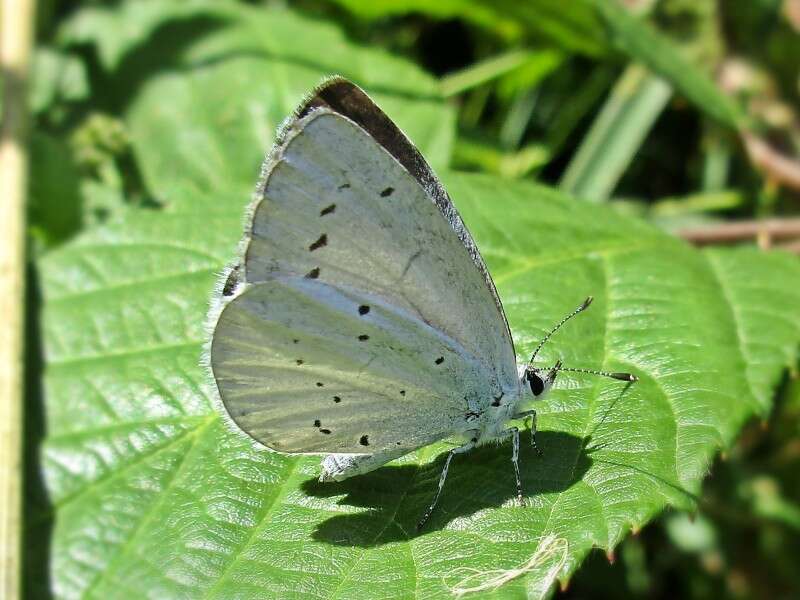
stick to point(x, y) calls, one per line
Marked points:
point(349, 100)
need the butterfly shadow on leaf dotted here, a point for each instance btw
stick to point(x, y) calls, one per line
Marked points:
point(397, 495)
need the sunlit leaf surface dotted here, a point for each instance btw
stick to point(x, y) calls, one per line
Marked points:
point(156, 496)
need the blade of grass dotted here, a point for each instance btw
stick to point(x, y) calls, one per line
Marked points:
point(636, 100)
point(482, 72)
point(716, 160)
point(710, 201)
point(524, 83)
point(640, 41)
point(517, 119)
point(573, 26)
point(470, 152)
point(473, 106)
point(581, 102)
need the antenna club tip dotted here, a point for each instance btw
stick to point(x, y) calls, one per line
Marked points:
point(625, 377)
point(587, 302)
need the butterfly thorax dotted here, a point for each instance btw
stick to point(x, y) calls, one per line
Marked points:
point(501, 409)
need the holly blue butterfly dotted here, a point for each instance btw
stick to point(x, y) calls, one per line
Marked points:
point(360, 321)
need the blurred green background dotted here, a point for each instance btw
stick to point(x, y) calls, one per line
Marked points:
point(683, 112)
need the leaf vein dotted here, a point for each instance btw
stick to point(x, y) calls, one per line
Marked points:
point(126, 547)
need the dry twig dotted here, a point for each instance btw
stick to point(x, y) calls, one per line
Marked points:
point(765, 233)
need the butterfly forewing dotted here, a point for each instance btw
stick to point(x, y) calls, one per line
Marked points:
point(382, 232)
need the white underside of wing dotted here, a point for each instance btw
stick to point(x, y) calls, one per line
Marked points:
point(304, 366)
point(382, 233)
point(340, 224)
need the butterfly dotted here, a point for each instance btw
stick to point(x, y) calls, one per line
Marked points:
point(360, 320)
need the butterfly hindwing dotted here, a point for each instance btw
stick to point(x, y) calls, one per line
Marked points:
point(310, 367)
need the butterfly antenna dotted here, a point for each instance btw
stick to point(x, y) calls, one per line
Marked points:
point(614, 375)
point(580, 309)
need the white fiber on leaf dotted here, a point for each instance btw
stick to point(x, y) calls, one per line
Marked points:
point(476, 580)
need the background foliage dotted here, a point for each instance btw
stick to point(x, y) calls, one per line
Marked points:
point(151, 119)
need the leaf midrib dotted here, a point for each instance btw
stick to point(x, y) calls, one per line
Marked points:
point(262, 522)
point(122, 354)
point(88, 294)
point(141, 457)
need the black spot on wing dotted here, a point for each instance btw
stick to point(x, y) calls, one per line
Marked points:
point(364, 441)
point(299, 361)
point(363, 309)
point(363, 337)
point(439, 360)
point(321, 241)
point(320, 384)
point(327, 210)
point(387, 192)
point(313, 273)
point(402, 392)
point(344, 186)
point(317, 423)
point(337, 399)
point(325, 431)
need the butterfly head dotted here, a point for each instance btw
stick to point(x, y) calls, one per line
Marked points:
point(539, 380)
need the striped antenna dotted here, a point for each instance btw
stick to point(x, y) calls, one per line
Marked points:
point(580, 309)
point(614, 375)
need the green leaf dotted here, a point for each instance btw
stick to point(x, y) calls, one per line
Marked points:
point(117, 30)
point(589, 27)
point(572, 26)
point(484, 71)
point(220, 91)
point(54, 200)
point(56, 76)
point(485, 16)
point(200, 131)
point(155, 494)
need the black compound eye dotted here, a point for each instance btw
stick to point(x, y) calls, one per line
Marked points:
point(536, 383)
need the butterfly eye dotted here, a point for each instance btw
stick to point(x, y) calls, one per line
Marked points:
point(536, 383)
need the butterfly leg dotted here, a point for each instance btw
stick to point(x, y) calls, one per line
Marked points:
point(514, 433)
point(524, 415)
point(460, 450)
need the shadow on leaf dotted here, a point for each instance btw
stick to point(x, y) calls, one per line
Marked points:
point(483, 478)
